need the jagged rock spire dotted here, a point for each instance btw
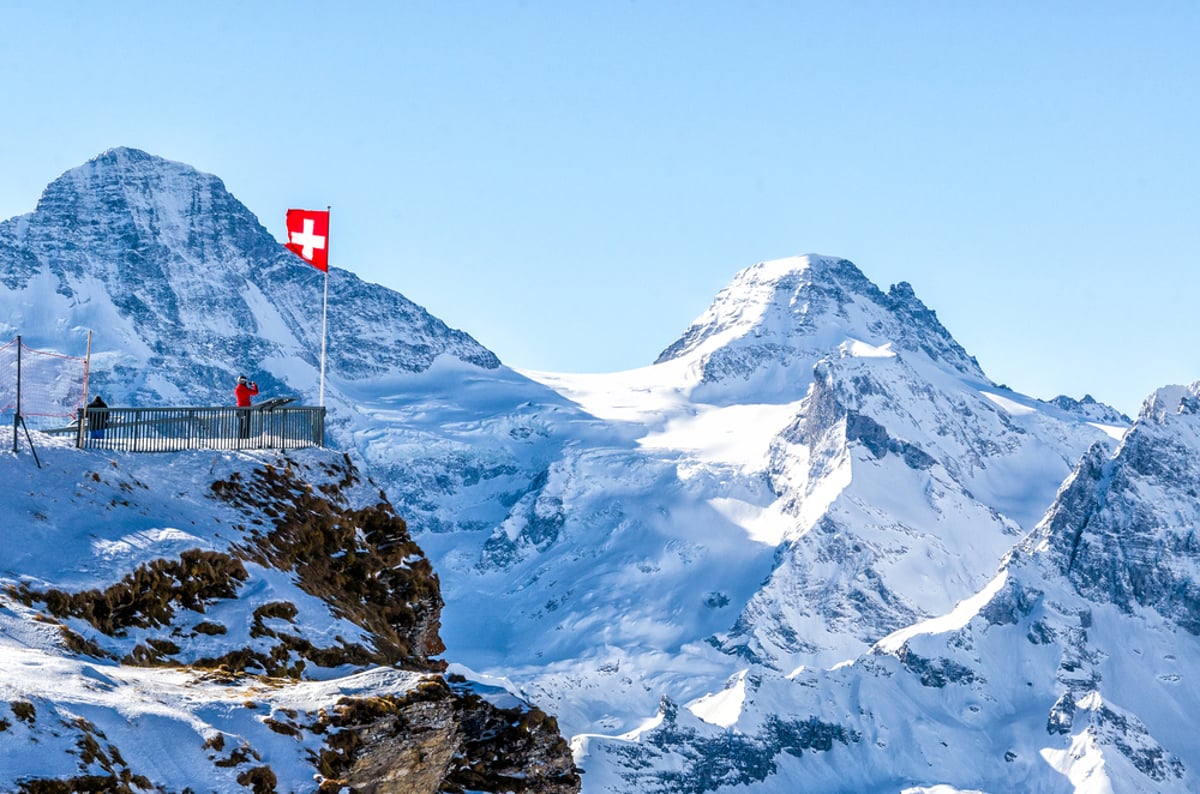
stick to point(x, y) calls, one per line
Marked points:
point(1123, 529)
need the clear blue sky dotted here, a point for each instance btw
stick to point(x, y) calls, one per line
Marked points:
point(572, 182)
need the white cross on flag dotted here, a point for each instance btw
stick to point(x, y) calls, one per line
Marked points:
point(308, 236)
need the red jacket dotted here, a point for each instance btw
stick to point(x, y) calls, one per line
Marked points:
point(244, 393)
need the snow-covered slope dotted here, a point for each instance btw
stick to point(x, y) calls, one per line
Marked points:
point(677, 530)
point(1072, 670)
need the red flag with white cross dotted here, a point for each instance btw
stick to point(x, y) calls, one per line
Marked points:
point(308, 236)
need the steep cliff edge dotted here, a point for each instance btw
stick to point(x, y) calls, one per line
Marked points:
point(200, 622)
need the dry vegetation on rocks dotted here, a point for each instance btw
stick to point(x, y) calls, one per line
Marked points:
point(147, 597)
point(362, 563)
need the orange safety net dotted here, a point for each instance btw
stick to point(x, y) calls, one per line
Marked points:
point(51, 383)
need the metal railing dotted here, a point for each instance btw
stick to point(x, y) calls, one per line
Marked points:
point(177, 429)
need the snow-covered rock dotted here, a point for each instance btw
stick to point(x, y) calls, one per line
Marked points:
point(776, 319)
point(1096, 411)
point(185, 621)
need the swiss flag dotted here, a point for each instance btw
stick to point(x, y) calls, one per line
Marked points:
point(308, 236)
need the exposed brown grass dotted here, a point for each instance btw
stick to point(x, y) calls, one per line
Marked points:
point(118, 778)
point(149, 596)
point(362, 562)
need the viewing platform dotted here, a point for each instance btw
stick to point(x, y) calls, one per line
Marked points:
point(274, 424)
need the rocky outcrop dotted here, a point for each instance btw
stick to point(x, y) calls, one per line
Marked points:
point(306, 605)
point(442, 738)
point(1091, 408)
point(1123, 529)
point(362, 561)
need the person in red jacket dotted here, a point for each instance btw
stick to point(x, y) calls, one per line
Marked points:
point(243, 392)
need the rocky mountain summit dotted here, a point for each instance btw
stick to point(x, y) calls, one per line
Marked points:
point(186, 290)
point(785, 315)
point(1124, 530)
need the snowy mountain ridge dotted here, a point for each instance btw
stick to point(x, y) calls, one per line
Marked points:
point(1068, 671)
point(725, 538)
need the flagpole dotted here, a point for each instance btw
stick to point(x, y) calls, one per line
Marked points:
point(325, 304)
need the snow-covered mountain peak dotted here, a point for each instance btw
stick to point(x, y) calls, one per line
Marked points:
point(815, 267)
point(152, 200)
point(767, 299)
point(1170, 400)
point(121, 164)
point(186, 289)
point(789, 313)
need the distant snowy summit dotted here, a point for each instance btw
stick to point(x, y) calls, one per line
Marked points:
point(792, 312)
point(1093, 410)
point(186, 289)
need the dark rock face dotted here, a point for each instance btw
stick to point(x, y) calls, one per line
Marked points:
point(1124, 530)
point(874, 437)
point(440, 738)
point(935, 673)
point(1011, 605)
point(1062, 715)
